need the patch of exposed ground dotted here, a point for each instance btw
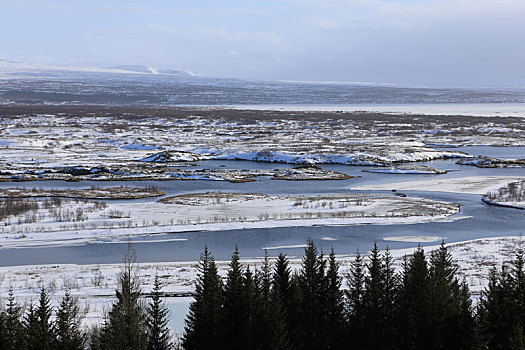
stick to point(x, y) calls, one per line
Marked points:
point(407, 169)
point(213, 198)
point(162, 171)
point(511, 195)
point(118, 139)
point(215, 212)
point(312, 172)
point(121, 192)
point(487, 162)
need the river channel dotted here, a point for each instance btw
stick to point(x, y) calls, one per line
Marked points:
point(476, 219)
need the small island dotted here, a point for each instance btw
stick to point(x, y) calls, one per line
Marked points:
point(511, 195)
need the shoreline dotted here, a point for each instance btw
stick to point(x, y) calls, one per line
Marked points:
point(94, 284)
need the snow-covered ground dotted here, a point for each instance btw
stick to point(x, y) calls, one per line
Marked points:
point(94, 285)
point(466, 109)
point(58, 146)
point(121, 192)
point(212, 212)
point(44, 142)
point(407, 169)
point(487, 162)
point(511, 195)
point(466, 184)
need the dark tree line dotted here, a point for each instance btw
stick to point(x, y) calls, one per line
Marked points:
point(423, 306)
point(131, 324)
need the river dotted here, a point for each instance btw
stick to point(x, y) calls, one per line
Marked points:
point(476, 219)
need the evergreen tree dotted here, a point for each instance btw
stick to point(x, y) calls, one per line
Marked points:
point(283, 311)
point(205, 315)
point(334, 305)
point(234, 307)
point(39, 332)
point(448, 302)
point(516, 340)
point(415, 304)
point(391, 285)
point(517, 284)
point(282, 281)
point(3, 331)
point(125, 326)
point(467, 327)
point(279, 339)
point(355, 303)
point(498, 320)
point(379, 300)
point(265, 310)
point(402, 302)
point(373, 297)
point(69, 335)
point(31, 328)
point(251, 309)
point(310, 280)
point(157, 320)
point(14, 334)
point(95, 338)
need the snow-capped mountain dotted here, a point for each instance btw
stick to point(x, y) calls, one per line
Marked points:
point(153, 70)
point(146, 85)
point(11, 69)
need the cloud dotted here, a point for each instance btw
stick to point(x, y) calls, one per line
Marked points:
point(426, 42)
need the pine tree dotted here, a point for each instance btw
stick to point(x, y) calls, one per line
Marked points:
point(516, 339)
point(335, 305)
point(14, 336)
point(125, 326)
point(157, 320)
point(499, 322)
point(279, 339)
point(264, 309)
point(466, 326)
point(39, 330)
point(373, 297)
point(517, 281)
point(442, 307)
point(379, 297)
point(95, 338)
point(283, 310)
point(310, 281)
point(31, 328)
point(282, 281)
point(203, 323)
point(251, 312)
point(415, 304)
point(296, 313)
point(355, 302)
point(402, 301)
point(390, 292)
point(450, 311)
point(3, 331)
point(67, 328)
point(234, 307)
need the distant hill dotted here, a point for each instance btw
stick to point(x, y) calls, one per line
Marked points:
point(152, 70)
point(11, 69)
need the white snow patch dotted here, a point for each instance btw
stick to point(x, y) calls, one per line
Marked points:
point(412, 239)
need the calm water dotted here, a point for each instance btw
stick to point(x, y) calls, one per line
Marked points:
point(481, 220)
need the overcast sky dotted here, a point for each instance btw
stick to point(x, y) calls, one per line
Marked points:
point(404, 42)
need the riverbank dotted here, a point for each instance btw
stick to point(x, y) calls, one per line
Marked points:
point(216, 211)
point(94, 285)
